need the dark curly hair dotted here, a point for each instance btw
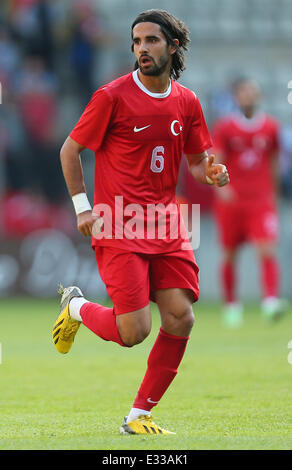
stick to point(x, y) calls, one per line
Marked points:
point(172, 28)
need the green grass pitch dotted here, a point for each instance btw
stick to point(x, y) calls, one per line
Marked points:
point(233, 389)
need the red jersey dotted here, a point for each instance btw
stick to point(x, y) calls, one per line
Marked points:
point(138, 138)
point(248, 147)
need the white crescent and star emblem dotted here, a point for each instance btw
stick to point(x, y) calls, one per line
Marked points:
point(174, 128)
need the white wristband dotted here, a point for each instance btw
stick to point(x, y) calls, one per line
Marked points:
point(81, 203)
point(209, 181)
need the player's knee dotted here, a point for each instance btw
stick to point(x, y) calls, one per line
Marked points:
point(266, 251)
point(187, 318)
point(230, 255)
point(180, 322)
point(135, 336)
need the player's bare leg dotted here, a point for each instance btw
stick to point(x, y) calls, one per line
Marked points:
point(272, 306)
point(135, 326)
point(232, 315)
point(175, 306)
point(127, 330)
point(177, 318)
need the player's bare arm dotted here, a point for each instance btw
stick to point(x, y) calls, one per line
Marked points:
point(206, 171)
point(227, 193)
point(73, 174)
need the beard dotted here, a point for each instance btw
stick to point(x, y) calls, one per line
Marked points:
point(157, 68)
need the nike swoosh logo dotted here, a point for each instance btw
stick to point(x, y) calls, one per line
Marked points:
point(136, 129)
point(151, 401)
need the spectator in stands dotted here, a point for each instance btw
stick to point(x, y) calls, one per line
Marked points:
point(31, 21)
point(86, 35)
point(9, 55)
point(36, 95)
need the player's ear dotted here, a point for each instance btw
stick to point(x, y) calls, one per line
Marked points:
point(173, 47)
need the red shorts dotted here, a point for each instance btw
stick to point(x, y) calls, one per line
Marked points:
point(132, 278)
point(242, 222)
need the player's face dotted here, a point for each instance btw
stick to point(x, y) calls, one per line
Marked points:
point(247, 95)
point(151, 49)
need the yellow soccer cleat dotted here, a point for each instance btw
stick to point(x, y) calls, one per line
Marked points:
point(65, 327)
point(142, 425)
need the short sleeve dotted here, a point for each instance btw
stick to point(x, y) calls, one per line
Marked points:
point(92, 126)
point(198, 139)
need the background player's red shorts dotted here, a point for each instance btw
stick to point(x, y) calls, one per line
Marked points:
point(241, 222)
point(132, 278)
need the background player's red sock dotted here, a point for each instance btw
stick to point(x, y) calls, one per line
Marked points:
point(163, 362)
point(102, 321)
point(228, 281)
point(270, 276)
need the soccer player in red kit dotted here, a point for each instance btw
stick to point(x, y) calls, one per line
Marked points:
point(138, 126)
point(248, 143)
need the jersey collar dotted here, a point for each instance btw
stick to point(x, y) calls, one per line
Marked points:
point(143, 88)
point(253, 124)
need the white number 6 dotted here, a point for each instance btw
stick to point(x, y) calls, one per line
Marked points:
point(157, 161)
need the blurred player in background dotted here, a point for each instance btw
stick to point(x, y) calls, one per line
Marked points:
point(246, 210)
point(138, 126)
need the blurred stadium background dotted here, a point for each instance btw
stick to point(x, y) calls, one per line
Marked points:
point(53, 55)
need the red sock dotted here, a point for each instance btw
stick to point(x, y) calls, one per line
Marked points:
point(102, 321)
point(163, 362)
point(270, 276)
point(228, 281)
